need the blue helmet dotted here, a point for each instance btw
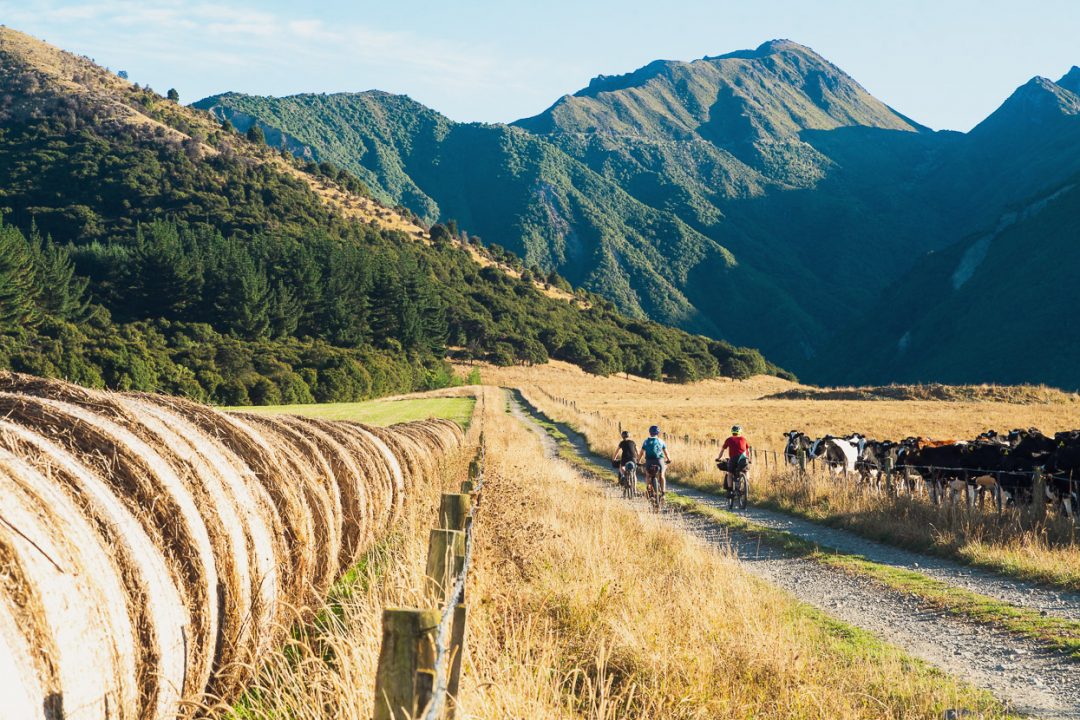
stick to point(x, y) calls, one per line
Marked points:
point(654, 430)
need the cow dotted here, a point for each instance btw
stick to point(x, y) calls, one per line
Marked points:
point(958, 465)
point(838, 453)
point(796, 441)
point(1063, 473)
point(873, 457)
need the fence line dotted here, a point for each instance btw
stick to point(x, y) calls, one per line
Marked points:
point(443, 645)
point(421, 653)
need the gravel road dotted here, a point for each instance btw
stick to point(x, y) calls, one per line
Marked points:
point(1029, 678)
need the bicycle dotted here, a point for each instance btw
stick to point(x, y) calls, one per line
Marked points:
point(652, 489)
point(629, 480)
point(737, 484)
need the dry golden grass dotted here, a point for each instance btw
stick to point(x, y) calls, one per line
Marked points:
point(1046, 549)
point(707, 410)
point(582, 607)
point(1015, 544)
point(327, 669)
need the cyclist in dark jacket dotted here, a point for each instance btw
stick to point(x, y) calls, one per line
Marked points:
point(625, 455)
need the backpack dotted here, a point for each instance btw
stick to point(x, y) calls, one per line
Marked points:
point(653, 447)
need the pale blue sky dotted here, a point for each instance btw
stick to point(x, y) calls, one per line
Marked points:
point(945, 63)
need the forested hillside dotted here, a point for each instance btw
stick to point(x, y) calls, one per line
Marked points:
point(145, 245)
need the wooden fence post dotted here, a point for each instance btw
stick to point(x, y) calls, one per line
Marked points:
point(407, 652)
point(446, 551)
point(453, 510)
point(888, 474)
point(474, 468)
point(1038, 494)
point(801, 454)
point(457, 652)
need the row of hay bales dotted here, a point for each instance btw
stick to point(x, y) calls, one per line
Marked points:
point(152, 549)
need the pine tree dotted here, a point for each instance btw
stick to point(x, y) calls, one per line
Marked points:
point(18, 281)
point(166, 276)
point(62, 293)
point(284, 311)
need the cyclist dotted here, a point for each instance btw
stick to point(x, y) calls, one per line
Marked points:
point(625, 454)
point(738, 450)
point(654, 453)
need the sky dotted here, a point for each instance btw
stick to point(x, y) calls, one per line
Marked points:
point(945, 63)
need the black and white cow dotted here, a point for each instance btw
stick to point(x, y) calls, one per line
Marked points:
point(838, 453)
point(796, 441)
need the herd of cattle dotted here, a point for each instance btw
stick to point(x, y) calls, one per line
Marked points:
point(1009, 467)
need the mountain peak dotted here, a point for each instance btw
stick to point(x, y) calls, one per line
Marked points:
point(765, 49)
point(1040, 100)
point(774, 92)
point(1071, 80)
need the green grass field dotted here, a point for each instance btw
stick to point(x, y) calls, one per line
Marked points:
point(378, 412)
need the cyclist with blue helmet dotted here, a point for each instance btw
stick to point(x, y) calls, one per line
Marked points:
point(655, 455)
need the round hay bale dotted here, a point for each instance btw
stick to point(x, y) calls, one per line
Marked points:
point(246, 502)
point(20, 685)
point(152, 491)
point(311, 471)
point(377, 474)
point(356, 531)
point(67, 596)
point(290, 505)
point(233, 649)
point(154, 605)
point(409, 453)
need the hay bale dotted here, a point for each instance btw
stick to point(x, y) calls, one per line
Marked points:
point(377, 476)
point(195, 536)
point(154, 604)
point(393, 465)
point(20, 685)
point(410, 454)
point(308, 468)
point(290, 505)
point(243, 501)
point(356, 531)
point(67, 597)
point(162, 502)
point(214, 502)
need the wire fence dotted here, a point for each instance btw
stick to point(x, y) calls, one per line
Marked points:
point(769, 458)
point(443, 647)
point(420, 658)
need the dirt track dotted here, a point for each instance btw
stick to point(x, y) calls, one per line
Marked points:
point(1031, 679)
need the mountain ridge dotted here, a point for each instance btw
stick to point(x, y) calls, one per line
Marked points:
point(811, 194)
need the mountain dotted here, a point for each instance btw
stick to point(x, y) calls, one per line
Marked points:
point(146, 245)
point(696, 193)
point(762, 196)
point(507, 186)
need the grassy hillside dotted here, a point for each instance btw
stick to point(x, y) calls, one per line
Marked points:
point(514, 189)
point(148, 246)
